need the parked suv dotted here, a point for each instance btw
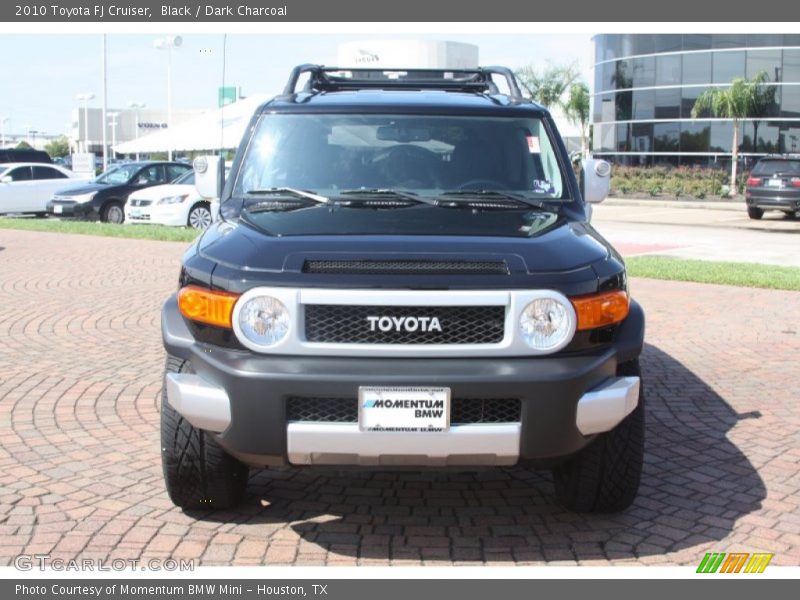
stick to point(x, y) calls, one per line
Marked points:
point(774, 184)
point(104, 198)
point(403, 276)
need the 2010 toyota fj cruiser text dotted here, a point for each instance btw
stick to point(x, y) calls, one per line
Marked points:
point(404, 276)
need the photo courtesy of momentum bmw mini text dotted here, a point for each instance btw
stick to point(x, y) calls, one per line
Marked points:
point(331, 299)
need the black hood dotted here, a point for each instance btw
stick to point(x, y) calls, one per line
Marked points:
point(83, 188)
point(564, 254)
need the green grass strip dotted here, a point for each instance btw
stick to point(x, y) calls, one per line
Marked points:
point(725, 273)
point(141, 232)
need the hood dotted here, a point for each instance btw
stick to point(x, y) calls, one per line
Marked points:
point(560, 256)
point(82, 188)
point(163, 191)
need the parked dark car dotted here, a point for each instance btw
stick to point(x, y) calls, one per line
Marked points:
point(774, 184)
point(104, 198)
point(402, 278)
point(20, 155)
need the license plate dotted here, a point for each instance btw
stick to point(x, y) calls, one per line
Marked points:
point(58, 209)
point(775, 183)
point(414, 409)
point(136, 212)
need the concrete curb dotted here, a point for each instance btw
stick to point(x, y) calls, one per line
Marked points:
point(712, 205)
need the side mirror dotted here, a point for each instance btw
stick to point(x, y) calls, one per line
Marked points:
point(6, 179)
point(209, 175)
point(596, 178)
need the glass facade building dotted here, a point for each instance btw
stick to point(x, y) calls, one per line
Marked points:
point(645, 87)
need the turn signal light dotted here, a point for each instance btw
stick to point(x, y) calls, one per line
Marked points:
point(599, 310)
point(207, 306)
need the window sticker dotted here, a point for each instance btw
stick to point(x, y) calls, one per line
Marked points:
point(543, 186)
point(533, 144)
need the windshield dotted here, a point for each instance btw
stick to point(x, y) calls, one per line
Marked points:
point(118, 175)
point(428, 155)
point(772, 167)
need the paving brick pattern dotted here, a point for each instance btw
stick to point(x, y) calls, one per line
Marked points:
point(80, 474)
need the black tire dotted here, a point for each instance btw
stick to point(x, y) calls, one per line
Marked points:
point(40, 215)
point(198, 473)
point(604, 476)
point(113, 213)
point(200, 216)
point(754, 212)
point(789, 214)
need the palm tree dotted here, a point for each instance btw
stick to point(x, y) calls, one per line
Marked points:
point(576, 108)
point(737, 102)
point(548, 86)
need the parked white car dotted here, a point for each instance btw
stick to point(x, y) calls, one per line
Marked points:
point(177, 204)
point(27, 187)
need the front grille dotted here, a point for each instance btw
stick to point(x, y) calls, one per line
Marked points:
point(462, 411)
point(137, 202)
point(406, 267)
point(346, 324)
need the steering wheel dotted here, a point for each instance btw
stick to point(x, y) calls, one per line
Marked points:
point(482, 184)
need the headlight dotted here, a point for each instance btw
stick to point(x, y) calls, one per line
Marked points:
point(173, 199)
point(83, 197)
point(548, 323)
point(263, 321)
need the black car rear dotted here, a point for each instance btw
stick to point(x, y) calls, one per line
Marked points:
point(774, 184)
point(21, 155)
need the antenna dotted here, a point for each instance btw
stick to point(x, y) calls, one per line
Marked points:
point(222, 108)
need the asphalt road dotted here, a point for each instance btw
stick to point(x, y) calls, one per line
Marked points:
point(724, 234)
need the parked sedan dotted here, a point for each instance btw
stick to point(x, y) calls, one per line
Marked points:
point(26, 187)
point(774, 184)
point(177, 204)
point(104, 198)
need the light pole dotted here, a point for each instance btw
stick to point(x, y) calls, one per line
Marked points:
point(168, 43)
point(3, 121)
point(113, 122)
point(136, 106)
point(85, 99)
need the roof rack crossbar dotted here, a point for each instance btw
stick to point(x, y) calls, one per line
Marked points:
point(322, 78)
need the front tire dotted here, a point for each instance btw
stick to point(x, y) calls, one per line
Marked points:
point(198, 473)
point(604, 476)
point(200, 216)
point(113, 213)
point(754, 212)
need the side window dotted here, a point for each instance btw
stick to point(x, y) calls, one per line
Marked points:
point(20, 174)
point(150, 175)
point(47, 173)
point(175, 171)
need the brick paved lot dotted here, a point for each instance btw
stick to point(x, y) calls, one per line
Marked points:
point(80, 475)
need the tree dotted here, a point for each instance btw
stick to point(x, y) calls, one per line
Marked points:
point(23, 145)
point(58, 147)
point(737, 102)
point(577, 108)
point(548, 86)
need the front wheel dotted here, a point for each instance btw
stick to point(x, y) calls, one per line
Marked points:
point(200, 216)
point(754, 212)
point(198, 473)
point(604, 476)
point(113, 213)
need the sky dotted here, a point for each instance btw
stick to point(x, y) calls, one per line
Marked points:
point(42, 74)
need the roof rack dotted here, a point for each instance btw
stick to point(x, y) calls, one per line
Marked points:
point(325, 79)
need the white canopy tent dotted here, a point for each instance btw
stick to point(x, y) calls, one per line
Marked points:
point(219, 128)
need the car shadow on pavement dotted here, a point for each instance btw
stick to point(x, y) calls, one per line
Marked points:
point(695, 486)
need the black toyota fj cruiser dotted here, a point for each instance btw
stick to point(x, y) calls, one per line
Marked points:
point(403, 276)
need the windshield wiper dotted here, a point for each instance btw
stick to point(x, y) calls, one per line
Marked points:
point(467, 197)
point(387, 193)
point(284, 191)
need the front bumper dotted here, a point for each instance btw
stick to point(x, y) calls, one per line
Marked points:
point(242, 397)
point(70, 208)
point(171, 215)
